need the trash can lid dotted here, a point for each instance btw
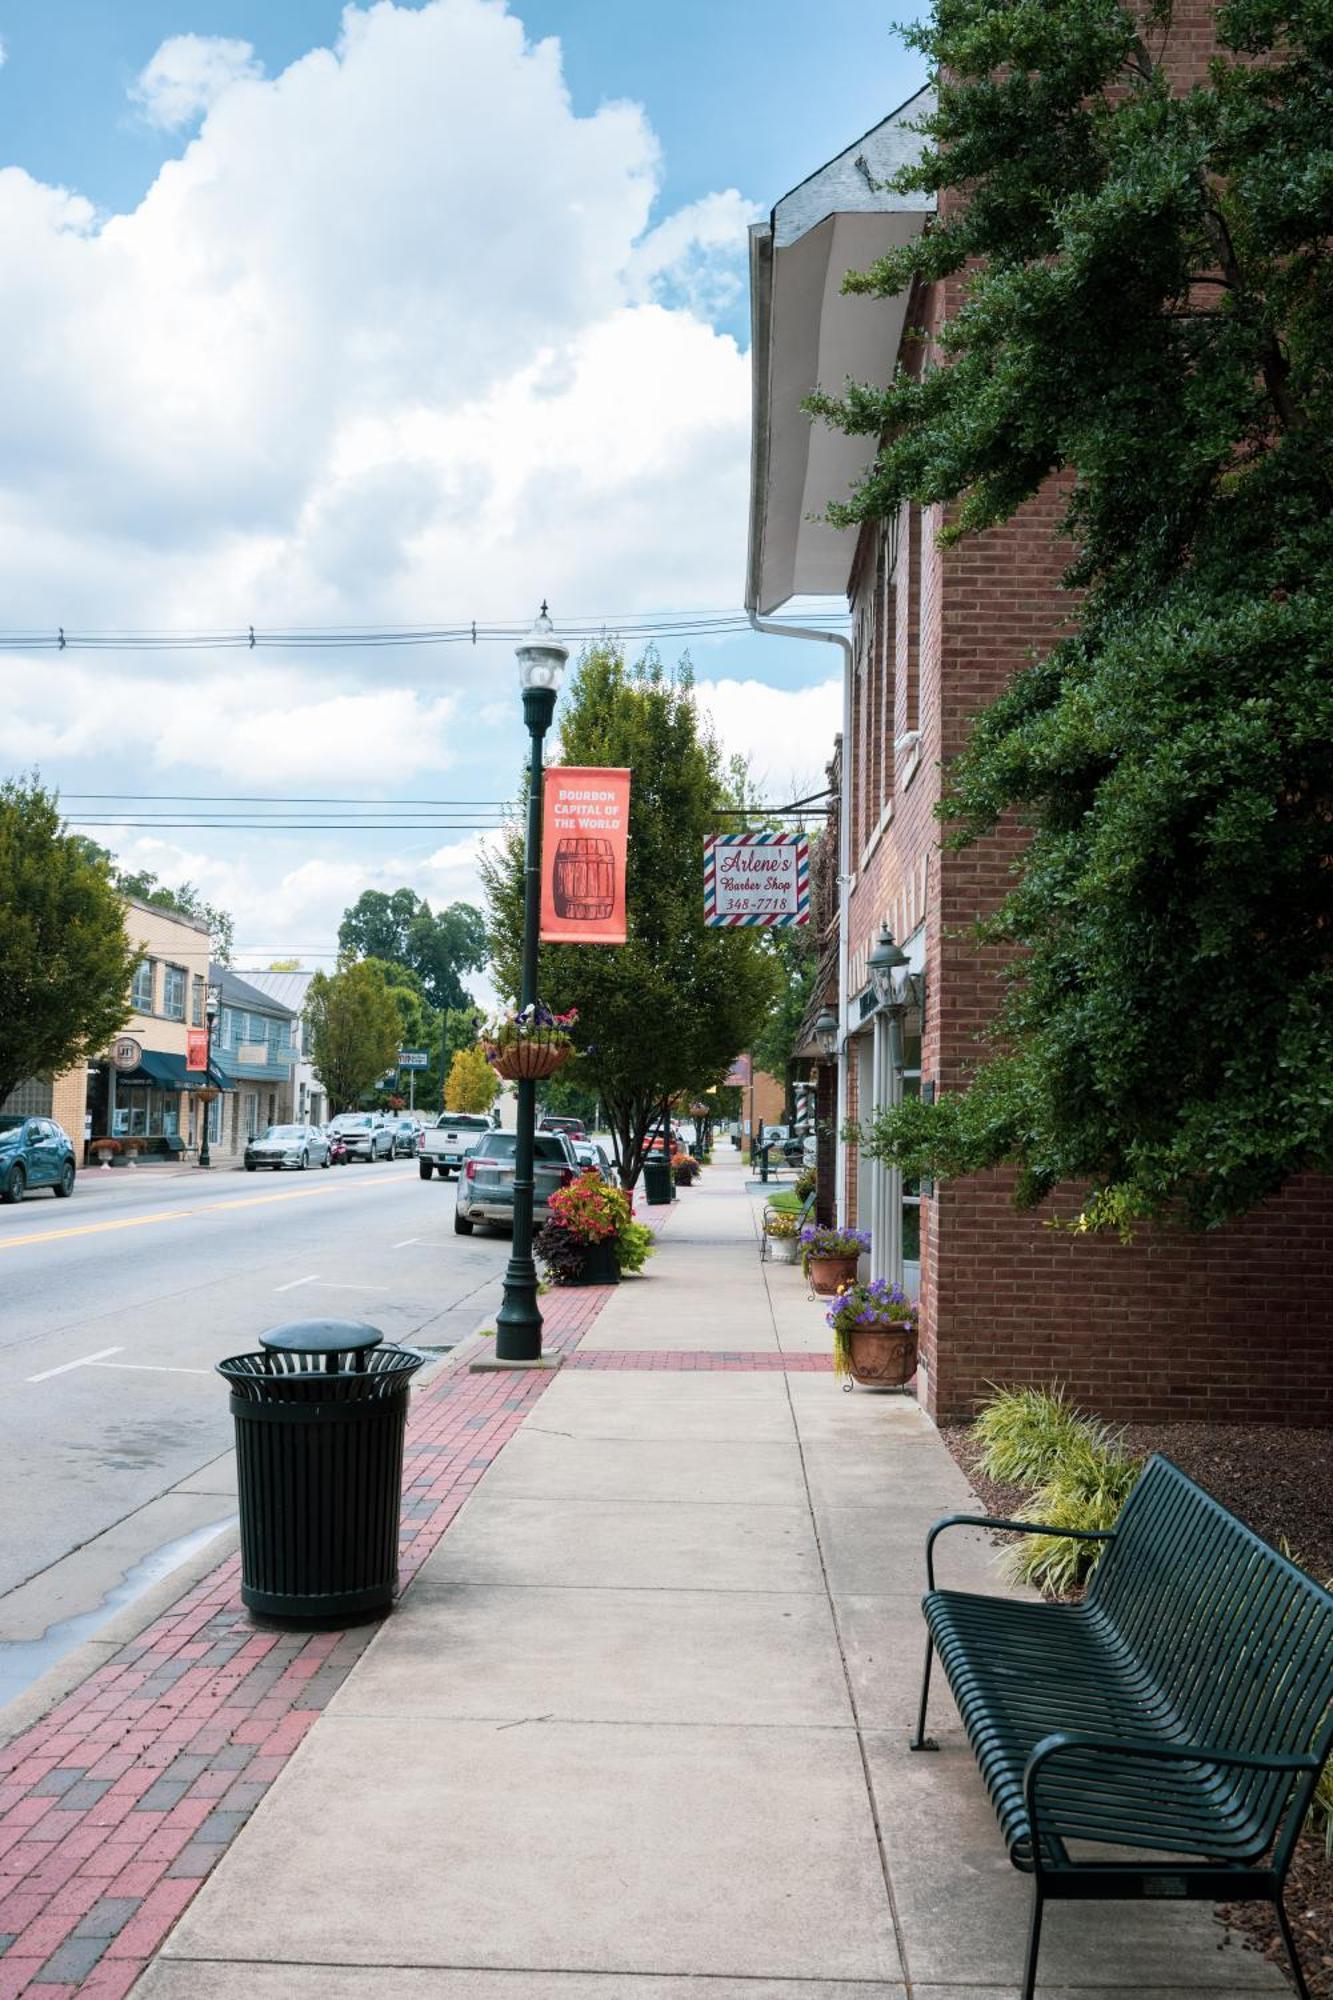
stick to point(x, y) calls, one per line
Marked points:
point(322, 1336)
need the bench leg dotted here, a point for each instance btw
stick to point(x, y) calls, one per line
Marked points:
point(921, 1741)
point(1289, 1941)
point(1034, 1944)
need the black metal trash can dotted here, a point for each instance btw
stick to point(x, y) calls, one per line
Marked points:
point(656, 1179)
point(319, 1419)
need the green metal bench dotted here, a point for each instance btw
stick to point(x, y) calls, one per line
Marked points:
point(1184, 1707)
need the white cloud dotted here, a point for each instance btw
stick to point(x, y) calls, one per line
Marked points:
point(397, 336)
point(787, 733)
point(187, 75)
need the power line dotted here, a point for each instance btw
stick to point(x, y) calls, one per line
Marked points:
point(459, 632)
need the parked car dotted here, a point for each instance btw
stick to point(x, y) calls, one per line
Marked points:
point(590, 1154)
point(486, 1185)
point(406, 1130)
point(34, 1153)
point(287, 1146)
point(443, 1146)
point(367, 1134)
point(574, 1127)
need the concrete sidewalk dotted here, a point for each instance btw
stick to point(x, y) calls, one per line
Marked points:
point(639, 1726)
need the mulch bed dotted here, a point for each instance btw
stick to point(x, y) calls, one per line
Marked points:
point(1279, 1481)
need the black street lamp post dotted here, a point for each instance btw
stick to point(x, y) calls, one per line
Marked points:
point(518, 1324)
point(212, 1002)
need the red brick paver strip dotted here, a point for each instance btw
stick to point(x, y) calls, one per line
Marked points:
point(118, 1803)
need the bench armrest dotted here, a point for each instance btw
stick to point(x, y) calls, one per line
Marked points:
point(1012, 1527)
point(1150, 1751)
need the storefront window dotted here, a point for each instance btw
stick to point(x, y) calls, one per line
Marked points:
point(141, 987)
point(911, 1218)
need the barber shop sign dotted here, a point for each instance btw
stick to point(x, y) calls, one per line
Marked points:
point(756, 878)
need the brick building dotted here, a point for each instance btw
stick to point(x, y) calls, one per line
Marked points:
point(1234, 1325)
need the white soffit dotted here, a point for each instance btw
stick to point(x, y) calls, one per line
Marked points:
point(807, 334)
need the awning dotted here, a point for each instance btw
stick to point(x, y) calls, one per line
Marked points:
point(168, 1072)
point(808, 334)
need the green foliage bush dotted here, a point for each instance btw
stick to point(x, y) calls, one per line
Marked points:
point(1079, 1476)
point(1023, 1433)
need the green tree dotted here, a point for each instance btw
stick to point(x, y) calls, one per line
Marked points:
point(1142, 303)
point(353, 1021)
point(796, 956)
point(671, 1008)
point(472, 1084)
point(400, 927)
point(65, 958)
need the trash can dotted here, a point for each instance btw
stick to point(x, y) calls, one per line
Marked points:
point(319, 1419)
point(657, 1179)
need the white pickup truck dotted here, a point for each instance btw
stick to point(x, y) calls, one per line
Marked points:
point(443, 1146)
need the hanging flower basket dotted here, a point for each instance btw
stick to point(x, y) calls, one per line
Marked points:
point(533, 1057)
point(529, 1043)
point(207, 1093)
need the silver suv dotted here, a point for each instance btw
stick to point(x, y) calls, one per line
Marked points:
point(486, 1184)
point(367, 1135)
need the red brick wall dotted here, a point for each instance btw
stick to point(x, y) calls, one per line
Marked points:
point(1237, 1324)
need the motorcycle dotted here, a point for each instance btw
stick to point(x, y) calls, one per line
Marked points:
point(338, 1154)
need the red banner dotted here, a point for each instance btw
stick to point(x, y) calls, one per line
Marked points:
point(585, 836)
point(196, 1048)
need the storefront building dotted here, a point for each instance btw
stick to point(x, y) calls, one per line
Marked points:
point(153, 1098)
point(1175, 1324)
point(290, 988)
point(254, 1052)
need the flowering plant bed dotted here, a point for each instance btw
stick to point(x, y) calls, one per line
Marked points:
point(874, 1334)
point(530, 1042)
point(103, 1149)
point(686, 1169)
point(776, 1223)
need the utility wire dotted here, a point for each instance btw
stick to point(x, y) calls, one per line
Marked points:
point(463, 632)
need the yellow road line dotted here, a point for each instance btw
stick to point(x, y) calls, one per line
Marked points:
point(223, 1207)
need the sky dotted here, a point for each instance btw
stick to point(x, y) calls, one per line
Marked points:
point(384, 315)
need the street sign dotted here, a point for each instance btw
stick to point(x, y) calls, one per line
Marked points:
point(414, 1059)
point(126, 1052)
point(756, 878)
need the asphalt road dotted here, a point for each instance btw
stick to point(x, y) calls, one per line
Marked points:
point(115, 1305)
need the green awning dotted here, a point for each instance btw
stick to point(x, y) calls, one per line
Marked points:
point(168, 1072)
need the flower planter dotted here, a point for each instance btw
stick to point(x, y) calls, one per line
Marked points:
point(828, 1275)
point(782, 1249)
point(882, 1356)
point(531, 1059)
point(601, 1265)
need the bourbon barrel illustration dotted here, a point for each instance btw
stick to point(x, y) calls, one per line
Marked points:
point(585, 878)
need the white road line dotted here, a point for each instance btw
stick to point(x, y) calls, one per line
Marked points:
point(65, 1366)
point(327, 1285)
point(406, 1240)
point(313, 1279)
point(150, 1368)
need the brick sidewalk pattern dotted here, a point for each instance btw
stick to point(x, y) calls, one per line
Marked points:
point(118, 1803)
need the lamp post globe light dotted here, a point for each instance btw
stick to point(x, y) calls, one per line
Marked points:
point(518, 1324)
point(212, 1005)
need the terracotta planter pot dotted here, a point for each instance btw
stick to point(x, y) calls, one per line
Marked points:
point(533, 1059)
point(829, 1274)
point(884, 1356)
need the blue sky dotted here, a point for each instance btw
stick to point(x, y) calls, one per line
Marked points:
point(325, 318)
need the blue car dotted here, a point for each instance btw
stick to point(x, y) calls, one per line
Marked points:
point(34, 1153)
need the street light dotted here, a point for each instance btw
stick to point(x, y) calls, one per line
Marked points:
point(886, 959)
point(212, 1002)
point(518, 1324)
point(826, 1031)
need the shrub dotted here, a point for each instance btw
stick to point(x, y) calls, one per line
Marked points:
point(1320, 1821)
point(1024, 1433)
point(634, 1246)
point(1087, 1487)
point(806, 1182)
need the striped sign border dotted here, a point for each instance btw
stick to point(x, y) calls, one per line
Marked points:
point(787, 920)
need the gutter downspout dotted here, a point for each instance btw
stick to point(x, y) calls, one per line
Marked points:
point(773, 630)
point(761, 302)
